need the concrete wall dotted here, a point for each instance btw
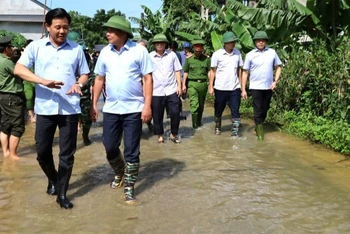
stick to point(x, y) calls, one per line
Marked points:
point(13, 7)
point(28, 30)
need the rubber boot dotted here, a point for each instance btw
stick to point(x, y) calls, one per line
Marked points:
point(217, 125)
point(51, 174)
point(195, 121)
point(118, 167)
point(260, 132)
point(130, 176)
point(199, 120)
point(235, 127)
point(85, 135)
point(64, 175)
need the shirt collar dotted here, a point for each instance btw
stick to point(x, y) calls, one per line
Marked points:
point(47, 41)
point(166, 52)
point(225, 52)
point(126, 46)
point(257, 50)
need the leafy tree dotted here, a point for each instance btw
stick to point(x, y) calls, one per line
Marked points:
point(90, 28)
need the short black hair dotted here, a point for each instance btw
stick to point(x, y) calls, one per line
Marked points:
point(59, 13)
point(174, 45)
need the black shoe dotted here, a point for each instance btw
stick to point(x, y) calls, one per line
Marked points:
point(87, 142)
point(64, 202)
point(51, 189)
point(182, 117)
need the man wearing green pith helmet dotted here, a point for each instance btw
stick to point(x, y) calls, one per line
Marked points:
point(121, 66)
point(226, 68)
point(196, 70)
point(259, 64)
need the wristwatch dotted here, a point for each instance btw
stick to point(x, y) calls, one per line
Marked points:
point(80, 84)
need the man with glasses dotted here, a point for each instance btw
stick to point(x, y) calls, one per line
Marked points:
point(12, 102)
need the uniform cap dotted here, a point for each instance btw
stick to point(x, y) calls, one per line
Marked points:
point(186, 44)
point(198, 42)
point(5, 40)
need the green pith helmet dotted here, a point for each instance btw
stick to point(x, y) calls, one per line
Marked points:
point(73, 36)
point(119, 22)
point(160, 38)
point(198, 42)
point(229, 37)
point(260, 35)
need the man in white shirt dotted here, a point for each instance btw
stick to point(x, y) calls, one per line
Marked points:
point(226, 68)
point(259, 63)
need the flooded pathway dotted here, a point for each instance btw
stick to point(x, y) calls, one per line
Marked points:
point(206, 184)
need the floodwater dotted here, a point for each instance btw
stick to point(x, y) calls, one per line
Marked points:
point(206, 184)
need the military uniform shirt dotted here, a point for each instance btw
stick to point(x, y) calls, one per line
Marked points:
point(8, 82)
point(197, 67)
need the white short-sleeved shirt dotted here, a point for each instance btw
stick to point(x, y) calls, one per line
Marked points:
point(123, 71)
point(165, 66)
point(260, 65)
point(226, 65)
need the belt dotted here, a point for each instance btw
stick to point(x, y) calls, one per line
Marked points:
point(199, 81)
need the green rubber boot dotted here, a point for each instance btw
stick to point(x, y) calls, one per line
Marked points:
point(130, 176)
point(260, 132)
point(235, 127)
point(217, 125)
point(118, 166)
point(195, 121)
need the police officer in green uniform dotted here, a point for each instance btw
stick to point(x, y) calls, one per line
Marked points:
point(12, 102)
point(196, 70)
point(85, 98)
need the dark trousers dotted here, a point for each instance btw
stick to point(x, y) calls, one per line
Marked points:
point(232, 98)
point(114, 126)
point(158, 105)
point(261, 103)
point(44, 134)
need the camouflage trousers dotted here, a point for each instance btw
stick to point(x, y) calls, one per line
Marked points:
point(85, 105)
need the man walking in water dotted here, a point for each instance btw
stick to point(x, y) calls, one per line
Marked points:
point(260, 63)
point(121, 66)
point(11, 101)
point(57, 64)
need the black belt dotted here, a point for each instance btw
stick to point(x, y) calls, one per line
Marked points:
point(198, 81)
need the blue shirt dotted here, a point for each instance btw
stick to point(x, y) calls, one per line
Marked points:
point(260, 65)
point(64, 63)
point(165, 66)
point(123, 71)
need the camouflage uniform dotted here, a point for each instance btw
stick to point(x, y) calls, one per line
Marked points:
point(85, 104)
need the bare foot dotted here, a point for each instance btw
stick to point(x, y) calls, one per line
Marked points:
point(6, 154)
point(160, 139)
point(32, 119)
point(14, 157)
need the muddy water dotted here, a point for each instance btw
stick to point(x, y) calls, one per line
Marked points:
point(206, 184)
